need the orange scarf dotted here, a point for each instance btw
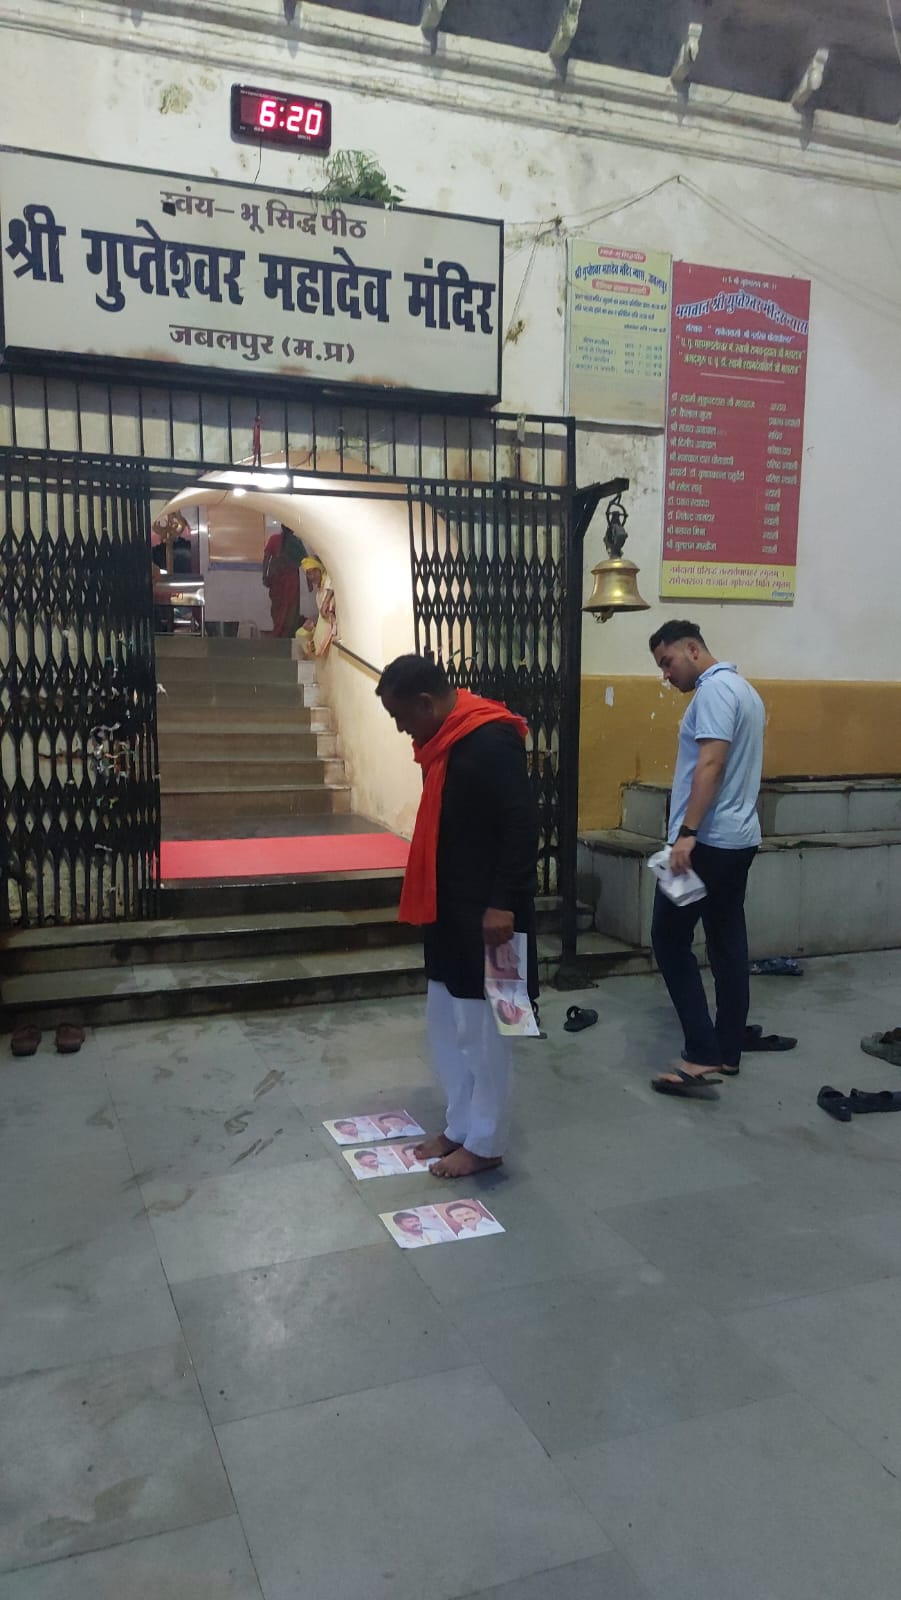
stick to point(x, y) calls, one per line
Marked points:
point(419, 897)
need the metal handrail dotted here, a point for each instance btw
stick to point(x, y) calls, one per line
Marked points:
point(337, 644)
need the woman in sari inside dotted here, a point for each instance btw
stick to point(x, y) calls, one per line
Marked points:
point(282, 557)
point(318, 635)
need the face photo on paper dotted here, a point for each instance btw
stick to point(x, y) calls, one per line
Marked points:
point(411, 1162)
point(374, 1163)
point(397, 1125)
point(506, 961)
point(469, 1219)
point(419, 1226)
point(512, 1009)
point(370, 1129)
point(352, 1130)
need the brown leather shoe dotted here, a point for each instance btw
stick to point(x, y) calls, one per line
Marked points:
point(69, 1039)
point(25, 1039)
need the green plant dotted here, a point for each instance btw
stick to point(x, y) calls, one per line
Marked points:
point(354, 175)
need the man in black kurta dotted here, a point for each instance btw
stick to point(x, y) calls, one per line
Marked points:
point(471, 881)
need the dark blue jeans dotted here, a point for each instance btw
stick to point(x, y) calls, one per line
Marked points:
point(722, 914)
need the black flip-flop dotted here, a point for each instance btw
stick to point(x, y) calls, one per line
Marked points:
point(690, 1083)
point(834, 1103)
point(756, 1039)
point(578, 1018)
point(728, 1072)
point(879, 1100)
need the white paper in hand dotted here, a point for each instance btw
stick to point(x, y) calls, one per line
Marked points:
point(683, 888)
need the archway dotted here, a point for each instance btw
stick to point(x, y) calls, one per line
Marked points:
point(363, 539)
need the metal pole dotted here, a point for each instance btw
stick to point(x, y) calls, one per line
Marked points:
point(581, 505)
point(570, 675)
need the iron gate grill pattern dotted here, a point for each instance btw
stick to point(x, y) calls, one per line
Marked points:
point(201, 428)
point(490, 601)
point(80, 793)
point(488, 594)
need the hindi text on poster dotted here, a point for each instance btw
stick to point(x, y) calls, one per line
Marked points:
point(734, 434)
point(617, 333)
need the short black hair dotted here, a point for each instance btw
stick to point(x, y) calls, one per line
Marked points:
point(454, 1205)
point(407, 676)
point(399, 1214)
point(671, 631)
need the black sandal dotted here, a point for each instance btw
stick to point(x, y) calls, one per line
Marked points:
point(834, 1103)
point(756, 1039)
point(578, 1018)
point(879, 1100)
point(690, 1083)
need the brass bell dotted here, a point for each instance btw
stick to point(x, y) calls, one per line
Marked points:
point(615, 580)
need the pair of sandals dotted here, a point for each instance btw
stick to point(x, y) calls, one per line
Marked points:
point(695, 1083)
point(27, 1037)
point(843, 1106)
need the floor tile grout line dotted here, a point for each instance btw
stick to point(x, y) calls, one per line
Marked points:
point(813, 1294)
point(345, 1394)
point(186, 1346)
point(354, 1394)
point(118, 1544)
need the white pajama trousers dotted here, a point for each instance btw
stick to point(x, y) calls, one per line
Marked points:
point(474, 1064)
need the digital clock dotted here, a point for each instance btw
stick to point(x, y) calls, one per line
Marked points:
point(269, 117)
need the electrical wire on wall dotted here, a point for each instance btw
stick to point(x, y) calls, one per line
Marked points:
point(565, 227)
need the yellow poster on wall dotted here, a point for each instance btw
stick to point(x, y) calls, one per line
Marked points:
point(618, 307)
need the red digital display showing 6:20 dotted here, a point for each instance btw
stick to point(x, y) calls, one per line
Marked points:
point(270, 117)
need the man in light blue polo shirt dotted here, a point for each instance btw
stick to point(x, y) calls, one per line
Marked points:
point(715, 831)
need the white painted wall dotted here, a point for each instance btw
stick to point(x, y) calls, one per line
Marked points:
point(725, 181)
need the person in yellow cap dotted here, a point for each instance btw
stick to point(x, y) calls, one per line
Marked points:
point(318, 636)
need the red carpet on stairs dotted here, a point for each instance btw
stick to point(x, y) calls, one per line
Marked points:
point(251, 859)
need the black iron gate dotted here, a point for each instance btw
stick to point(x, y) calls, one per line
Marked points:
point(80, 831)
point(497, 595)
point(488, 590)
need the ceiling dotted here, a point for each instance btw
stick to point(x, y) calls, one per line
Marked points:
point(757, 47)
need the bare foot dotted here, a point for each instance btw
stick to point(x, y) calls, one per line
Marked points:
point(438, 1145)
point(461, 1163)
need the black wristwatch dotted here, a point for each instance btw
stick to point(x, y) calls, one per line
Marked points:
point(687, 833)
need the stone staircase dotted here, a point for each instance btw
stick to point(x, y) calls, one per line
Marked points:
point(241, 947)
point(827, 880)
point(246, 748)
point(243, 737)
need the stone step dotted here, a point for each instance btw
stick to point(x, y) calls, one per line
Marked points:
point(255, 670)
point(828, 894)
point(244, 741)
point(180, 710)
point(254, 771)
point(787, 808)
point(313, 891)
point(645, 809)
point(130, 993)
point(199, 939)
point(184, 804)
point(195, 939)
point(196, 647)
point(830, 806)
point(277, 700)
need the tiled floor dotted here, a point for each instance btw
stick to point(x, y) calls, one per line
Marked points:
point(675, 1377)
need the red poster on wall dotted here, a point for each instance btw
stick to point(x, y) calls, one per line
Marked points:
point(734, 434)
